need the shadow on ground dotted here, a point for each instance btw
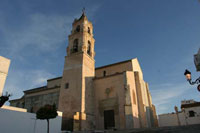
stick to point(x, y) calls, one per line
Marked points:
point(175, 129)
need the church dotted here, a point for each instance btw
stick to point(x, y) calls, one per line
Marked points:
point(114, 96)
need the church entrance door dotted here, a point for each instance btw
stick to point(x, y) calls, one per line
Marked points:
point(67, 124)
point(109, 119)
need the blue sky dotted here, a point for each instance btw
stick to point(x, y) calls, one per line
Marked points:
point(163, 34)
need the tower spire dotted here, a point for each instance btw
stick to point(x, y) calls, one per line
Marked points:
point(83, 14)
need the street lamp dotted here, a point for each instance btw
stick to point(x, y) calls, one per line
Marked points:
point(189, 79)
point(187, 75)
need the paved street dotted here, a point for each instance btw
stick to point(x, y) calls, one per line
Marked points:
point(175, 129)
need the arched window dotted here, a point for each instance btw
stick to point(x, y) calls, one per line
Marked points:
point(78, 28)
point(75, 46)
point(89, 48)
point(89, 30)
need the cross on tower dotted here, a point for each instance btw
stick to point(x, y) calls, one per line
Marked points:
point(83, 10)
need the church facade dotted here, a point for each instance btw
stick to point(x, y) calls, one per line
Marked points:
point(107, 97)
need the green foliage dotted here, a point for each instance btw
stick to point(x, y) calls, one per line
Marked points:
point(47, 112)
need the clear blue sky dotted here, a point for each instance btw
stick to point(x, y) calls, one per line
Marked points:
point(163, 34)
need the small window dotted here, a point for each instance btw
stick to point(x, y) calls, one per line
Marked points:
point(66, 85)
point(78, 28)
point(89, 30)
point(104, 73)
point(75, 46)
point(191, 113)
point(89, 48)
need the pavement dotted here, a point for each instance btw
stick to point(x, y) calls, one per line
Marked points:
point(174, 129)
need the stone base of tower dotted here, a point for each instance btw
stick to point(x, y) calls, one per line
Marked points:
point(83, 121)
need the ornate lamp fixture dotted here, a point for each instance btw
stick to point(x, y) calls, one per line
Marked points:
point(189, 79)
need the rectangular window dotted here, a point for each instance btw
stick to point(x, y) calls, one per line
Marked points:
point(66, 85)
point(104, 73)
point(191, 113)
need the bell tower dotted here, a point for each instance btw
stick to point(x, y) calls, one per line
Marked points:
point(81, 38)
point(76, 92)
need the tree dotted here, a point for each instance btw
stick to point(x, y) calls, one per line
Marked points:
point(3, 99)
point(47, 112)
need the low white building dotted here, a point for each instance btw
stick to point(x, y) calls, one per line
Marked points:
point(18, 120)
point(189, 114)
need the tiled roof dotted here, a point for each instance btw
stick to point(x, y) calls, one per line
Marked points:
point(113, 64)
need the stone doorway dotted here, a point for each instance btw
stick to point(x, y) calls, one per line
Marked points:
point(109, 119)
point(67, 124)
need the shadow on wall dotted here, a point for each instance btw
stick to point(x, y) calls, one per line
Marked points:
point(89, 103)
point(151, 116)
point(82, 120)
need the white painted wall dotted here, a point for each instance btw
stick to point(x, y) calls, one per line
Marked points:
point(193, 120)
point(171, 118)
point(22, 122)
point(167, 120)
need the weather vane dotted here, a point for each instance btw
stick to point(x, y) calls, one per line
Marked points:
point(83, 10)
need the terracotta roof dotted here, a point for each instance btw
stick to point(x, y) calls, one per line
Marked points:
point(113, 64)
point(54, 78)
point(35, 89)
point(43, 88)
point(118, 73)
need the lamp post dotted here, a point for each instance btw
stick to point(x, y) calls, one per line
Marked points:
point(189, 79)
point(176, 110)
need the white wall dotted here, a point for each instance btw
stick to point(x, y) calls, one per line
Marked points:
point(171, 118)
point(196, 118)
point(167, 120)
point(22, 122)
